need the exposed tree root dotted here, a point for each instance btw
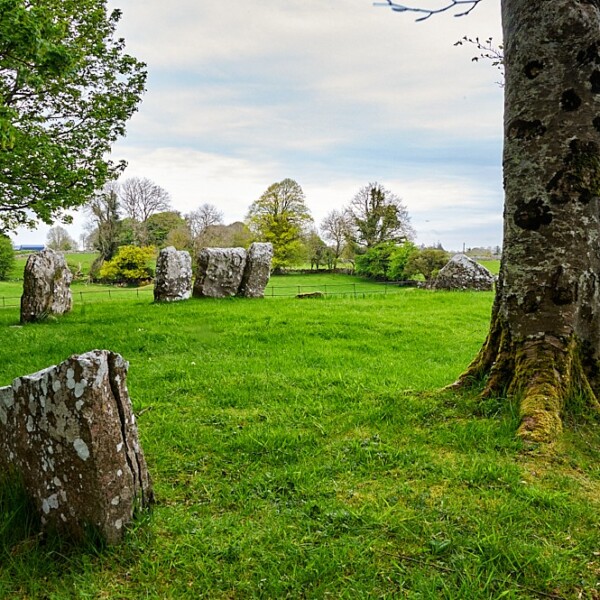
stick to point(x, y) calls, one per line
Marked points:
point(544, 373)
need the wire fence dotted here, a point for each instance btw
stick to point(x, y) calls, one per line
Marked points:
point(338, 289)
point(277, 291)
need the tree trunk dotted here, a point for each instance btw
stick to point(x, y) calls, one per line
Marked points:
point(543, 343)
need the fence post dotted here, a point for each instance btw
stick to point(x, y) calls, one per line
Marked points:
point(81, 296)
point(354, 286)
point(3, 302)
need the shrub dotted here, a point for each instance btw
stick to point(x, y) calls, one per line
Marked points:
point(399, 259)
point(375, 262)
point(426, 262)
point(7, 257)
point(386, 260)
point(130, 265)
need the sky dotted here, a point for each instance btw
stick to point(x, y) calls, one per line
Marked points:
point(333, 94)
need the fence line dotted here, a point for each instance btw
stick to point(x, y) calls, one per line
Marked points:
point(329, 289)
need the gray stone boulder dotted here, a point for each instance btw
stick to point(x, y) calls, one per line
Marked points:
point(463, 273)
point(46, 286)
point(70, 433)
point(173, 279)
point(219, 272)
point(257, 271)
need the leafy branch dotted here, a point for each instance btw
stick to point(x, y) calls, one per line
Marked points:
point(430, 12)
point(487, 51)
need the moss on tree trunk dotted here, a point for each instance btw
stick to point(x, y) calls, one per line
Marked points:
point(544, 338)
point(544, 373)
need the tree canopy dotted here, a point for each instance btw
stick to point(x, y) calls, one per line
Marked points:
point(105, 224)
point(161, 224)
point(336, 229)
point(141, 198)
point(377, 215)
point(67, 88)
point(280, 216)
point(58, 238)
point(7, 256)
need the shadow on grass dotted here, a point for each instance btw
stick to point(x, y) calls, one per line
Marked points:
point(19, 522)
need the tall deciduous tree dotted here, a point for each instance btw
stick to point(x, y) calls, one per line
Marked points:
point(202, 218)
point(104, 224)
point(58, 238)
point(160, 225)
point(201, 221)
point(280, 216)
point(141, 198)
point(544, 339)
point(317, 251)
point(378, 215)
point(336, 228)
point(235, 235)
point(67, 88)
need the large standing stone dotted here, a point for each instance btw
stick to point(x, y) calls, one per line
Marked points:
point(70, 432)
point(463, 273)
point(173, 280)
point(219, 273)
point(46, 286)
point(257, 271)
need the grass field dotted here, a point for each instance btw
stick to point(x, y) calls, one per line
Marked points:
point(302, 449)
point(331, 284)
point(492, 265)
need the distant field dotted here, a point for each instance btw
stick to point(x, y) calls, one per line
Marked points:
point(328, 283)
point(331, 284)
point(492, 265)
point(79, 260)
point(279, 286)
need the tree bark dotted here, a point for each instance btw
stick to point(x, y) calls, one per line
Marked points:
point(543, 343)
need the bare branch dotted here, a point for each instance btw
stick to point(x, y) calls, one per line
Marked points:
point(488, 51)
point(430, 12)
point(141, 198)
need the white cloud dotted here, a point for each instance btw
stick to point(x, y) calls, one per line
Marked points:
point(335, 58)
point(242, 94)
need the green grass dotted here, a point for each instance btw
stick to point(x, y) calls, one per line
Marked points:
point(79, 260)
point(302, 449)
point(329, 283)
point(492, 265)
point(332, 284)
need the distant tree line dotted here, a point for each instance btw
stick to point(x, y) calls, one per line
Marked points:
point(372, 235)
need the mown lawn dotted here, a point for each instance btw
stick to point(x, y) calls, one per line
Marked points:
point(303, 449)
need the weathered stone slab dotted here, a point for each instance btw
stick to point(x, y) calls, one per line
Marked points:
point(219, 273)
point(70, 432)
point(463, 273)
point(173, 280)
point(46, 286)
point(257, 271)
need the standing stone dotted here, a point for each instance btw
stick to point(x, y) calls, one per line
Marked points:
point(463, 273)
point(173, 280)
point(70, 432)
point(219, 272)
point(257, 271)
point(46, 286)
